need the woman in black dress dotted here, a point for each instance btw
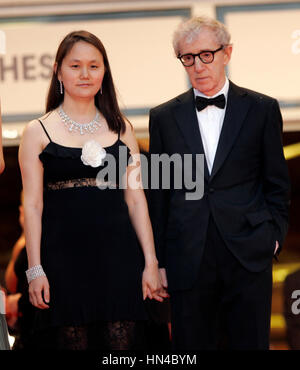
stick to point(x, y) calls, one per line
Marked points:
point(87, 273)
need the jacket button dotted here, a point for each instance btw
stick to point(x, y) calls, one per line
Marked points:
point(211, 190)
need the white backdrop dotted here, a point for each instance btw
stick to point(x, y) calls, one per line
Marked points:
point(145, 70)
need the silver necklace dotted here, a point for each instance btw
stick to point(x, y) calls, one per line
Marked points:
point(82, 128)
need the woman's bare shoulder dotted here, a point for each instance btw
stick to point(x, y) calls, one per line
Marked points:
point(35, 128)
point(32, 128)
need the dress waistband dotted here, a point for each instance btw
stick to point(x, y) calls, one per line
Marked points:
point(79, 183)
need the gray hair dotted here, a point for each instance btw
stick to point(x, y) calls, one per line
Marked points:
point(189, 30)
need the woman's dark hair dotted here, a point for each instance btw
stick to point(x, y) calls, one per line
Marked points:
point(107, 101)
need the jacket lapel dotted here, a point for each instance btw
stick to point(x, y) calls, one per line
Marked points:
point(186, 119)
point(236, 110)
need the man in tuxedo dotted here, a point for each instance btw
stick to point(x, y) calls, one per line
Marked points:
point(215, 253)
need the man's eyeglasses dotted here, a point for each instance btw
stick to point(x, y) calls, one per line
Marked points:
point(206, 57)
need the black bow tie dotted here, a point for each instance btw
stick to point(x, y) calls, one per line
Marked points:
point(218, 101)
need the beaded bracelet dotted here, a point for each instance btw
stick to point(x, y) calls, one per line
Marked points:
point(34, 272)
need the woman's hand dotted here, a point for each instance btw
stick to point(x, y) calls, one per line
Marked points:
point(152, 284)
point(38, 288)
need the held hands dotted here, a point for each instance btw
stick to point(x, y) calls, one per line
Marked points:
point(163, 277)
point(37, 288)
point(152, 284)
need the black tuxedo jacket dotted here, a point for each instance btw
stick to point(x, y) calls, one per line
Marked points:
point(247, 192)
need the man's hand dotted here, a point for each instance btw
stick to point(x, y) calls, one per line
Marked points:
point(163, 276)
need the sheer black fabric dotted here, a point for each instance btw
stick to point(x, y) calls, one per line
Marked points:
point(78, 183)
point(99, 336)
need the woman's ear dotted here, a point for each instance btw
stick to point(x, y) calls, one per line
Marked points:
point(56, 72)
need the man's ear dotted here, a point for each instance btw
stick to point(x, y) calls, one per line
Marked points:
point(227, 54)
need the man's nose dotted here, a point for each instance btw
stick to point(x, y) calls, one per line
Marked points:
point(199, 65)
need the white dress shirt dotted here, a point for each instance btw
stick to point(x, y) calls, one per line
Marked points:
point(210, 122)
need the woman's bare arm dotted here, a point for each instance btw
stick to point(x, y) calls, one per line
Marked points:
point(32, 179)
point(138, 212)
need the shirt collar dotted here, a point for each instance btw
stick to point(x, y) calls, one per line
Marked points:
point(224, 91)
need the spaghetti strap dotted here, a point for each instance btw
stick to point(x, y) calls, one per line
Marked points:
point(45, 130)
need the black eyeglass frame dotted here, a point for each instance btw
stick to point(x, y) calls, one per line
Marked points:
point(199, 55)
